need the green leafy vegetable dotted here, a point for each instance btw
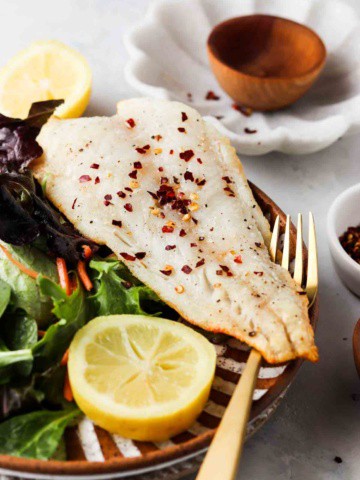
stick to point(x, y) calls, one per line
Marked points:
point(35, 434)
point(5, 292)
point(117, 291)
point(73, 313)
point(25, 291)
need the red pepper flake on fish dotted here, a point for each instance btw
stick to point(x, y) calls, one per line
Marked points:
point(140, 255)
point(167, 229)
point(130, 122)
point(184, 117)
point(211, 96)
point(117, 223)
point(84, 178)
point(95, 166)
point(138, 165)
point(186, 269)
point(128, 207)
point(187, 155)
point(128, 257)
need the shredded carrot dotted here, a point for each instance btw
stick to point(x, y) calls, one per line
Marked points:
point(67, 392)
point(81, 268)
point(65, 358)
point(22, 267)
point(41, 333)
point(63, 275)
point(87, 252)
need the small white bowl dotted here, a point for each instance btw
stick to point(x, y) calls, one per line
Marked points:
point(345, 213)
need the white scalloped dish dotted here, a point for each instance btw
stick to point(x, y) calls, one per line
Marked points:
point(168, 60)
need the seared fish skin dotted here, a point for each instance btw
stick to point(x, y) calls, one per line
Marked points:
point(167, 194)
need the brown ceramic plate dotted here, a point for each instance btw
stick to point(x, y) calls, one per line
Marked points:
point(93, 451)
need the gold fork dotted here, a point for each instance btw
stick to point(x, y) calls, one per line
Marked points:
point(222, 459)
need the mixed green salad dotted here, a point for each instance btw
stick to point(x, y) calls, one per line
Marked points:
point(39, 315)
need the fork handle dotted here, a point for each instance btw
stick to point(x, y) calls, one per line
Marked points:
point(222, 458)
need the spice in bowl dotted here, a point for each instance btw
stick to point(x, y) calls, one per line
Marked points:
point(350, 241)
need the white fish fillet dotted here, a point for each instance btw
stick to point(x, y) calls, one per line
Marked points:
point(233, 287)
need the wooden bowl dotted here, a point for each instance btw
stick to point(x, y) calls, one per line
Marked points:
point(128, 458)
point(356, 346)
point(265, 62)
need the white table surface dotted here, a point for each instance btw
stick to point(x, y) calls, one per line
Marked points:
point(318, 420)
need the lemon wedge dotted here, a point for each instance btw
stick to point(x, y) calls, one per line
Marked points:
point(144, 378)
point(45, 71)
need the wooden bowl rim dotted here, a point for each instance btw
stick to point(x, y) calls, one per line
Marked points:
point(178, 452)
point(315, 69)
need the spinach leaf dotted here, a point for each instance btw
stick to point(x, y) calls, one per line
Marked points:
point(14, 362)
point(36, 434)
point(25, 293)
point(118, 292)
point(18, 330)
point(5, 292)
point(73, 313)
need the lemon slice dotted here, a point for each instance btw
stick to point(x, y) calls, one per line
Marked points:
point(141, 377)
point(45, 71)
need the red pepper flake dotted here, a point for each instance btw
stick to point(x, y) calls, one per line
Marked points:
point(219, 272)
point(138, 165)
point(140, 255)
point(200, 263)
point(182, 233)
point(258, 244)
point(238, 259)
point(157, 137)
point(128, 207)
point(184, 117)
point(84, 178)
point(107, 203)
point(133, 174)
point(200, 183)
point(164, 180)
point(97, 180)
point(143, 149)
point(186, 269)
point(127, 256)
point(227, 179)
point(167, 229)
point(153, 195)
point(108, 197)
point(176, 180)
point(95, 166)
point(128, 189)
point(117, 223)
point(244, 110)
point(74, 203)
point(252, 334)
point(170, 247)
point(182, 130)
point(199, 161)
point(231, 192)
point(211, 96)
point(189, 176)
point(130, 122)
point(166, 272)
point(171, 152)
point(224, 268)
point(192, 245)
point(161, 169)
point(187, 155)
point(194, 220)
point(260, 274)
point(121, 194)
point(249, 130)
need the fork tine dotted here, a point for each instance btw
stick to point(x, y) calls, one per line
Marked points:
point(298, 269)
point(312, 280)
point(286, 250)
point(274, 239)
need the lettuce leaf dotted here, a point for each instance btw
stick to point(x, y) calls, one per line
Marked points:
point(25, 293)
point(5, 292)
point(117, 291)
point(36, 434)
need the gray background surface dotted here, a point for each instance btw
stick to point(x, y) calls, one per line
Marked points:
point(318, 420)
